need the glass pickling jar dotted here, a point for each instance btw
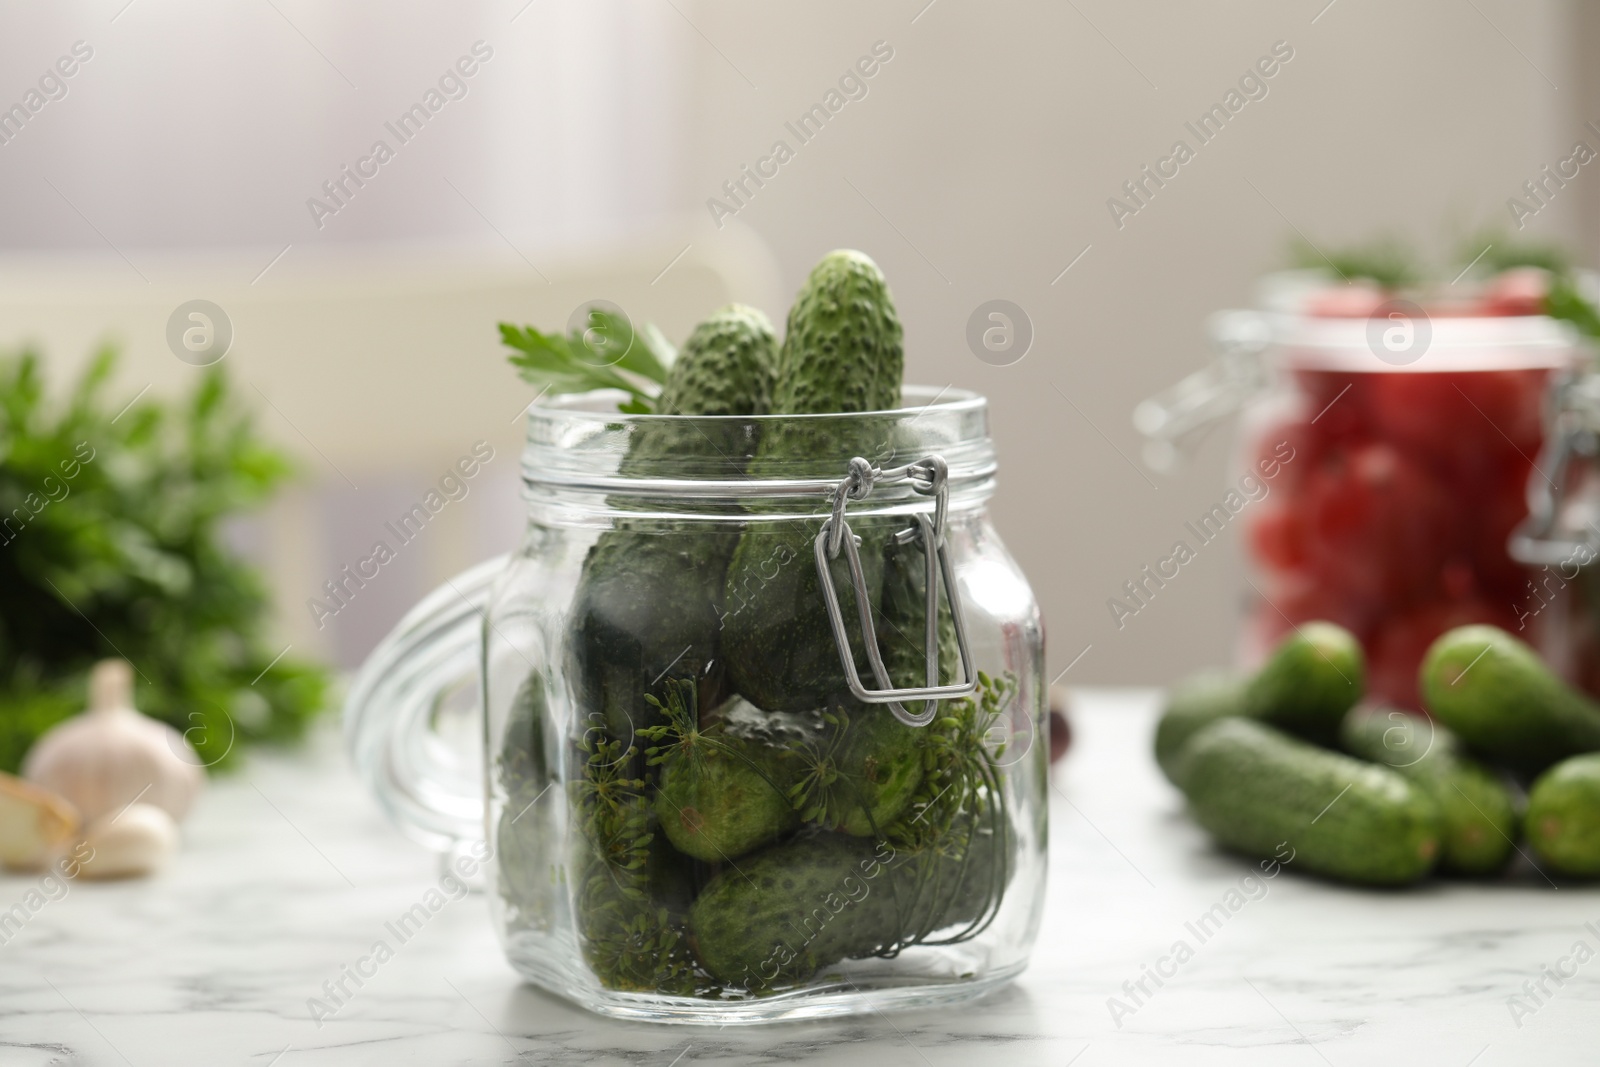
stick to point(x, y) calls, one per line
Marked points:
point(1385, 454)
point(757, 738)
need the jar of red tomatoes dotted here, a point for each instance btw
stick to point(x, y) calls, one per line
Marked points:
point(1391, 442)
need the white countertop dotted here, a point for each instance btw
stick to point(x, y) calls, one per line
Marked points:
point(289, 872)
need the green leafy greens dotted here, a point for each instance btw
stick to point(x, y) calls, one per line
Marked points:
point(606, 354)
point(112, 544)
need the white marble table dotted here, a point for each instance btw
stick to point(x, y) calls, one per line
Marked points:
point(289, 873)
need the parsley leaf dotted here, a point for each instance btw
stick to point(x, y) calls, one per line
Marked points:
point(607, 354)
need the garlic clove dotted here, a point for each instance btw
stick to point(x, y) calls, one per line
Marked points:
point(135, 842)
point(35, 824)
point(111, 755)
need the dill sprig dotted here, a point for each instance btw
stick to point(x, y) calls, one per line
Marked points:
point(681, 731)
point(824, 794)
point(960, 770)
point(956, 833)
point(631, 942)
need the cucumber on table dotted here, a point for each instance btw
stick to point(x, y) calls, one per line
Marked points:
point(1503, 702)
point(1563, 820)
point(1193, 704)
point(1479, 815)
point(1257, 789)
point(1309, 682)
point(1311, 679)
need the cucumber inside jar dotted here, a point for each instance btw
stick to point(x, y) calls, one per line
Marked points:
point(748, 855)
point(740, 822)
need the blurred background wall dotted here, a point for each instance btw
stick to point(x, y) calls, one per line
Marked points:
point(578, 160)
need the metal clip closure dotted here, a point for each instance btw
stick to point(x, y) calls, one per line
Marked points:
point(928, 477)
point(1572, 430)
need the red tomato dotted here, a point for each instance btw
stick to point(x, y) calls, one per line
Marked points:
point(1462, 422)
point(1336, 405)
point(1502, 504)
point(1509, 406)
point(1422, 413)
point(1519, 291)
point(1378, 525)
point(1277, 536)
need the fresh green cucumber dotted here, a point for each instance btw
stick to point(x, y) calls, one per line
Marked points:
point(649, 599)
point(1192, 704)
point(1563, 820)
point(1503, 702)
point(842, 354)
point(794, 908)
point(1479, 815)
point(1258, 790)
point(1309, 682)
point(878, 760)
point(723, 798)
point(1311, 679)
point(728, 366)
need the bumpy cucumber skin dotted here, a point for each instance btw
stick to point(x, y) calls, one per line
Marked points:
point(844, 348)
point(728, 366)
point(1310, 681)
point(843, 353)
point(1255, 789)
point(648, 602)
point(651, 599)
point(879, 752)
point(1478, 812)
point(1192, 704)
point(797, 907)
point(778, 645)
point(794, 909)
point(1502, 701)
point(718, 805)
point(879, 760)
point(1563, 820)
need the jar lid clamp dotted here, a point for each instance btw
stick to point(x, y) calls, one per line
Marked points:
point(928, 477)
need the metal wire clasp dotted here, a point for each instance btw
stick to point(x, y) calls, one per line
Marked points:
point(1572, 432)
point(929, 477)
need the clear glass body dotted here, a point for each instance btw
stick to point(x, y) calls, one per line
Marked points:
point(691, 818)
point(1382, 496)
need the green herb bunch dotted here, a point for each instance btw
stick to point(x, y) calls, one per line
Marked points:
point(112, 543)
point(631, 941)
point(961, 771)
point(957, 828)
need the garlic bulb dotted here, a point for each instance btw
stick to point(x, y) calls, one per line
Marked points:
point(35, 824)
point(111, 756)
point(134, 841)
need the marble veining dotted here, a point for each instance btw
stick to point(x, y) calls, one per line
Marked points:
point(289, 875)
